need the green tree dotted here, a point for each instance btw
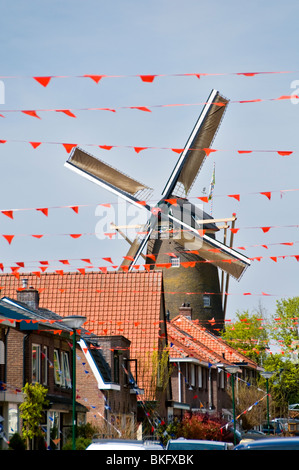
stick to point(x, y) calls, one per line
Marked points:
point(248, 335)
point(284, 325)
point(32, 411)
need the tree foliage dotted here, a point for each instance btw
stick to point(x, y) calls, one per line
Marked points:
point(248, 335)
point(32, 410)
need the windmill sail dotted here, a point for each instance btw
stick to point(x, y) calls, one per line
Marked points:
point(210, 249)
point(202, 136)
point(105, 175)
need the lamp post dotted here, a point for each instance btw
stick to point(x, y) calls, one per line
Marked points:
point(267, 376)
point(74, 322)
point(233, 370)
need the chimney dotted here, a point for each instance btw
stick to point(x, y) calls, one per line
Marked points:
point(186, 310)
point(28, 295)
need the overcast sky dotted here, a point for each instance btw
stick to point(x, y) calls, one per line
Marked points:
point(126, 39)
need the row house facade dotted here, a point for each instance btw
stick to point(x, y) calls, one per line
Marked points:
point(199, 361)
point(36, 347)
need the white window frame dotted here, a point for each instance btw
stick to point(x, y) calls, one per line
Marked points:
point(44, 362)
point(206, 300)
point(199, 376)
point(175, 261)
point(65, 371)
point(35, 363)
point(57, 369)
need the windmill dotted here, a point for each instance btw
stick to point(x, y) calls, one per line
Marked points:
point(177, 231)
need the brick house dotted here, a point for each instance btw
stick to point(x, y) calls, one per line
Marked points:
point(33, 353)
point(35, 346)
point(199, 359)
point(130, 305)
point(129, 309)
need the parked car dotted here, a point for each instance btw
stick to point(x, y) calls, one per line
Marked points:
point(194, 444)
point(275, 427)
point(120, 444)
point(271, 443)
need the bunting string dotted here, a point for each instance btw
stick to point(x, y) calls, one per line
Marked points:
point(139, 149)
point(148, 108)
point(145, 78)
point(173, 201)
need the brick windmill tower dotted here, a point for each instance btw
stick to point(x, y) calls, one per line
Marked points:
point(177, 233)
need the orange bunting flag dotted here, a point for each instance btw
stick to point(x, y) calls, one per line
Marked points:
point(204, 199)
point(108, 259)
point(64, 261)
point(236, 196)
point(139, 149)
point(106, 147)
point(44, 211)
point(95, 78)
point(75, 209)
point(208, 151)
point(31, 113)
point(69, 147)
point(177, 150)
point(267, 194)
point(44, 81)
point(103, 269)
point(147, 78)
point(81, 270)
point(284, 153)
point(66, 111)
point(9, 238)
point(37, 236)
point(75, 235)
point(35, 144)
point(265, 229)
point(8, 214)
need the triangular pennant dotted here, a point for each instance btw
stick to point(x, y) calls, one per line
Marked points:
point(35, 144)
point(31, 113)
point(177, 150)
point(267, 194)
point(44, 81)
point(203, 198)
point(9, 238)
point(69, 147)
point(44, 210)
point(106, 147)
point(236, 196)
point(66, 111)
point(208, 151)
point(81, 270)
point(75, 209)
point(265, 229)
point(8, 214)
point(37, 236)
point(147, 78)
point(284, 153)
point(139, 149)
point(64, 261)
point(103, 269)
point(75, 235)
point(108, 259)
point(95, 78)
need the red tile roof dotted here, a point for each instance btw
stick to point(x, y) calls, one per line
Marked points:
point(116, 303)
point(201, 341)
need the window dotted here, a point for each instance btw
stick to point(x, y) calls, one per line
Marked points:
point(65, 371)
point(192, 375)
point(116, 366)
point(199, 375)
point(44, 367)
point(35, 362)
point(206, 300)
point(2, 353)
point(57, 370)
point(175, 262)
